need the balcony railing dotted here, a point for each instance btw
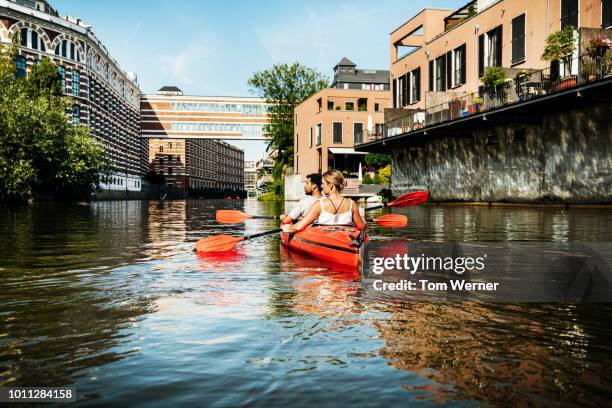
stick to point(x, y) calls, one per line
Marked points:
point(526, 85)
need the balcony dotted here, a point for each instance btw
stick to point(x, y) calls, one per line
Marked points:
point(525, 87)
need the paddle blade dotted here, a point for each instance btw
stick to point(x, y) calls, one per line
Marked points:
point(217, 243)
point(407, 200)
point(392, 221)
point(231, 216)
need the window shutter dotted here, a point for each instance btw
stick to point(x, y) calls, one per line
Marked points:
point(449, 69)
point(481, 45)
point(431, 76)
point(417, 83)
point(498, 47)
point(395, 93)
point(463, 63)
point(442, 61)
point(405, 96)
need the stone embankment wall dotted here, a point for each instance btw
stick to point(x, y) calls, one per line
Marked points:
point(566, 158)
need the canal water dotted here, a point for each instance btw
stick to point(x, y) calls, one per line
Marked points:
point(109, 297)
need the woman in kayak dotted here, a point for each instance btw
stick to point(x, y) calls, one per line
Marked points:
point(331, 210)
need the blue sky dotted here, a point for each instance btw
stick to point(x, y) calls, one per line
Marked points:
point(212, 47)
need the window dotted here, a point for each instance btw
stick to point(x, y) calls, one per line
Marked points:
point(415, 85)
point(337, 138)
point(20, 66)
point(349, 106)
point(459, 66)
point(34, 37)
point(376, 107)
point(330, 105)
point(569, 13)
point(490, 50)
point(441, 73)
point(169, 171)
point(76, 115)
point(518, 38)
point(24, 37)
point(62, 72)
point(310, 139)
point(76, 84)
point(606, 13)
point(161, 149)
point(319, 133)
point(357, 133)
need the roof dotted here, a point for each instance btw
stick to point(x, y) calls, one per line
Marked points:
point(365, 76)
point(169, 89)
point(346, 61)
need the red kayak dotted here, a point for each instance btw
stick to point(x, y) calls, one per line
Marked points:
point(334, 243)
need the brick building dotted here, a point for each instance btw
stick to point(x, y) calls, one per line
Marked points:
point(104, 97)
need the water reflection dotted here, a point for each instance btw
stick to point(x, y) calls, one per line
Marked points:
point(99, 294)
point(502, 354)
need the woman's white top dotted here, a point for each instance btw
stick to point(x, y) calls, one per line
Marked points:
point(328, 218)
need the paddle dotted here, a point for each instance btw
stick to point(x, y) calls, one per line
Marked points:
point(237, 217)
point(407, 200)
point(220, 243)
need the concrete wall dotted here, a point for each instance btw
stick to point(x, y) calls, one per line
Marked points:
point(566, 159)
point(294, 187)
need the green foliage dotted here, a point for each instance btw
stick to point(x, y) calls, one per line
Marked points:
point(377, 160)
point(376, 179)
point(384, 174)
point(366, 179)
point(471, 11)
point(269, 196)
point(560, 45)
point(44, 80)
point(493, 77)
point(41, 153)
point(284, 86)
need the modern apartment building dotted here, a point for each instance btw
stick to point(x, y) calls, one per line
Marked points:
point(329, 123)
point(482, 113)
point(185, 137)
point(439, 55)
point(104, 97)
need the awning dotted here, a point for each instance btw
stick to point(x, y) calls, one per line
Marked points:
point(344, 150)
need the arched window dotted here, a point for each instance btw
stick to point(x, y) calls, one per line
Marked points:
point(31, 39)
point(76, 83)
point(76, 115)
point(68, 49)
point(20, 66)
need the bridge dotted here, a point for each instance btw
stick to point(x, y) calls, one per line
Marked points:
point(172, 115)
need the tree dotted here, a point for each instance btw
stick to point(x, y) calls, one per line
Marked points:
point(284, 86)
point(45, 80)
point(41, 153)
point(377, 160)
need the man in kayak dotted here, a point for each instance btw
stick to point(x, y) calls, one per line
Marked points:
point(331, 210)
point(312, 188)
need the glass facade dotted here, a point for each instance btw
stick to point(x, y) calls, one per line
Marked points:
point(255, 129)
point(249, 109)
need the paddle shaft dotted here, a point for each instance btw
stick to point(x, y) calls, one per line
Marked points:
point(261, 234)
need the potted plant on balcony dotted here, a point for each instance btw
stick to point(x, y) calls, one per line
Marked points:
point(559, 48)
point(598, 47)
point(493, 79)
point(476, 105)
